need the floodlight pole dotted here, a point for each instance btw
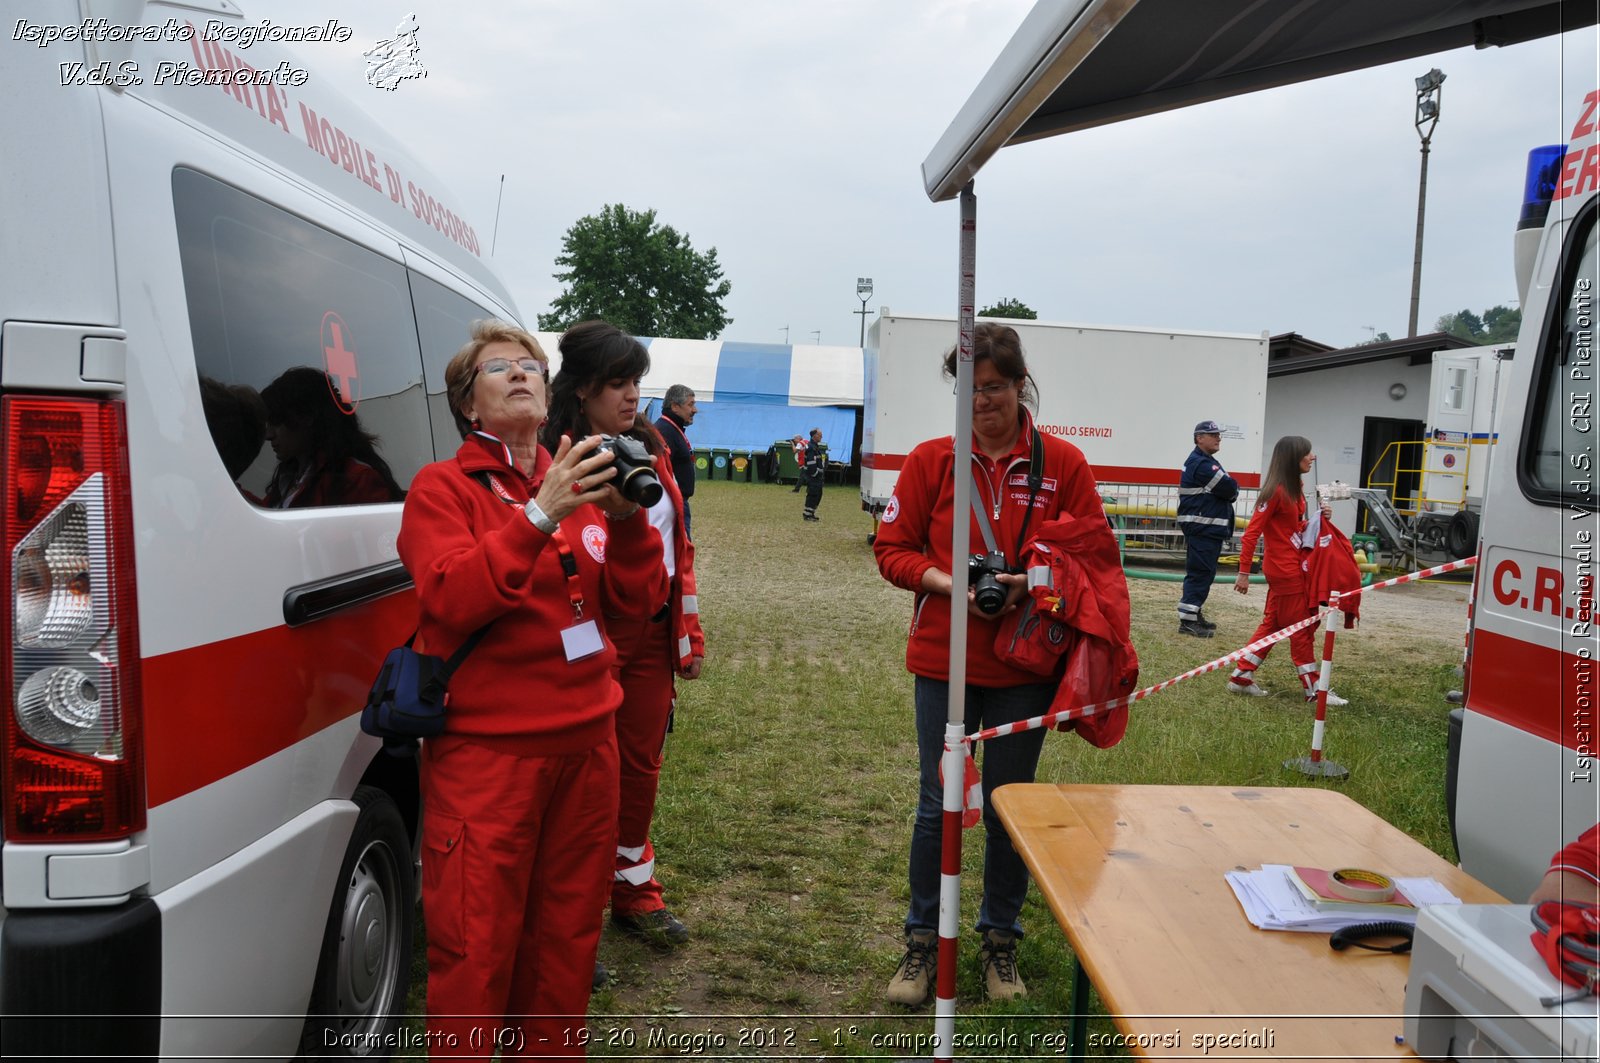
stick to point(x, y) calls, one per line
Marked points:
point(863, 292)
point(1430, 91)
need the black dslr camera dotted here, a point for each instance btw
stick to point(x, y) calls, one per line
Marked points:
point(635, 478)
point(986, 589)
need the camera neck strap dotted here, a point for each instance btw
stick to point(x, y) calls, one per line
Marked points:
point(569, 563)
point(1035, 481)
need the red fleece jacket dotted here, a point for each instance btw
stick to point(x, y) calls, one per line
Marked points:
point(1088, 592)
point(916, 529)
point(1275, 522)
point(476, 559)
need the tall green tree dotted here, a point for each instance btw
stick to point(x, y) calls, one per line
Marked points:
point(643, 277)
point(1499, 324)
point(1010, 308)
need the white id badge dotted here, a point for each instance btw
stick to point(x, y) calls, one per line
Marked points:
point(582, 640)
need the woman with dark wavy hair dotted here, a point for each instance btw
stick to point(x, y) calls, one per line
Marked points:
point(597, 390)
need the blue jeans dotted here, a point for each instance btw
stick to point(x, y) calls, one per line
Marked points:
point(1014, 758)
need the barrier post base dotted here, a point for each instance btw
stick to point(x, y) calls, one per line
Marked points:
point(1325, 769)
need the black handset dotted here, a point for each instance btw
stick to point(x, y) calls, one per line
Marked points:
point(1353, 935)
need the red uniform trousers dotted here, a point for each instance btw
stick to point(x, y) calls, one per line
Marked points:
point(516, 856)
point(644, 670)
point(1286, 604)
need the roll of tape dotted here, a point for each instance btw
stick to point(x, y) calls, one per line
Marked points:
point(1356, 884)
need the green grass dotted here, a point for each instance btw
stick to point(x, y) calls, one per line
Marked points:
point(789, 787)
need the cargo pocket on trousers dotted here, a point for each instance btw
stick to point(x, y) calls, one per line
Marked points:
point(444, 844)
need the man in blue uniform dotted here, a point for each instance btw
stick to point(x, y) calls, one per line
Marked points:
point(1205, 513)
point(677, 414)
point(811, 473)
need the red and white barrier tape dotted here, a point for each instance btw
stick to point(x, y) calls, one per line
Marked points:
point(1049, 719)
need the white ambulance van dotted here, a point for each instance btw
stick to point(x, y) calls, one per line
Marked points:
point(210, 267)
point(1522, 758)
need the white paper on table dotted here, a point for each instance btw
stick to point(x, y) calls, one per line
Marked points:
point(1271, 902)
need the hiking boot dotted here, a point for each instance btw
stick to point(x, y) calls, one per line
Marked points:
point(913, 979)
point(659, 927)
point(1195, 628)
point(600, 974)
point(1249, 689)
point(998, 955)
point(1333, 699)
point(1200, 618)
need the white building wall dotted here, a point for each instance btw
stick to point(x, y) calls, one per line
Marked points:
point(1330, 408)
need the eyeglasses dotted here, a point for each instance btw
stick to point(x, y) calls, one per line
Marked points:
point(499, 366)
point(988, 391)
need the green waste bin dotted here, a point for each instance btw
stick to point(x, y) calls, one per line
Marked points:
point(788, 468)
point(702, 464)
point(721, 463)
point(743, 466)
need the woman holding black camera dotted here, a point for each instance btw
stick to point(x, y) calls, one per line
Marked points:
point(597, 390)
point(913, 551)
point(519, 792)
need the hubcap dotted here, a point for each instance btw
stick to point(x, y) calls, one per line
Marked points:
point(369, 941)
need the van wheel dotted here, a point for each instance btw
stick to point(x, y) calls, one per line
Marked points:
point(1461, 537)
point(359, 998)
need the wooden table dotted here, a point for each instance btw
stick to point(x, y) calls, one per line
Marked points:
point(1134, 875)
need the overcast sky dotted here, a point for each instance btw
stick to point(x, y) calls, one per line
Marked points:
point(790, 137)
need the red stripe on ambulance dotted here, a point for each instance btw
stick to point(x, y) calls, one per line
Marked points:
point(299, 680)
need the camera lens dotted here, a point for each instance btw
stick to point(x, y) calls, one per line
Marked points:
point(988, 593)
point(640, 485)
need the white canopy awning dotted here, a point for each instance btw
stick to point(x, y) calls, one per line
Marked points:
point(1074, 64)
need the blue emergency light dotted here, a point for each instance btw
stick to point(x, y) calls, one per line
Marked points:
point(1544, 170)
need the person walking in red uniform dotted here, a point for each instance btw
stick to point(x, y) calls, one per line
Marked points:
point(519, 794)
point(597, 390)
point(1279, 523)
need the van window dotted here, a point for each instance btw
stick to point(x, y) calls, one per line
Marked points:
point(307, 350)
point(444, 321)
point(1560, 456)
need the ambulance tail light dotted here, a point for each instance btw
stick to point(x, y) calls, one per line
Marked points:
point(1538, 189)
point(73, 755)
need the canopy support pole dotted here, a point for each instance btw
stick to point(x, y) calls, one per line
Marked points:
point(944, 1025)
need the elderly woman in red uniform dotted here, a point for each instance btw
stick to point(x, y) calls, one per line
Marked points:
point(597, 390)
point(520, 792)
point(1279, 523)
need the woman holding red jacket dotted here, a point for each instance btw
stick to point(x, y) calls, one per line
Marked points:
point(1279, 523)
point(519, 793)
point(597, 390)
point(913, 552)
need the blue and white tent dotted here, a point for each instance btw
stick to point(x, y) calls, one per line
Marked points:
point(750, 395)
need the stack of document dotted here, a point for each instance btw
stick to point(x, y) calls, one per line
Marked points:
point(1272, 901)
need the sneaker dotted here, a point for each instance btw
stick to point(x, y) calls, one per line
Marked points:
point(1250, 689)
point(659, 927)
point(600, 974)
point(998, 955)
point(913, 979)
point(1195, 628)
point(1333, 699)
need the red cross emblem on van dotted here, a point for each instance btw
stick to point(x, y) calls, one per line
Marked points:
point(339, 358)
